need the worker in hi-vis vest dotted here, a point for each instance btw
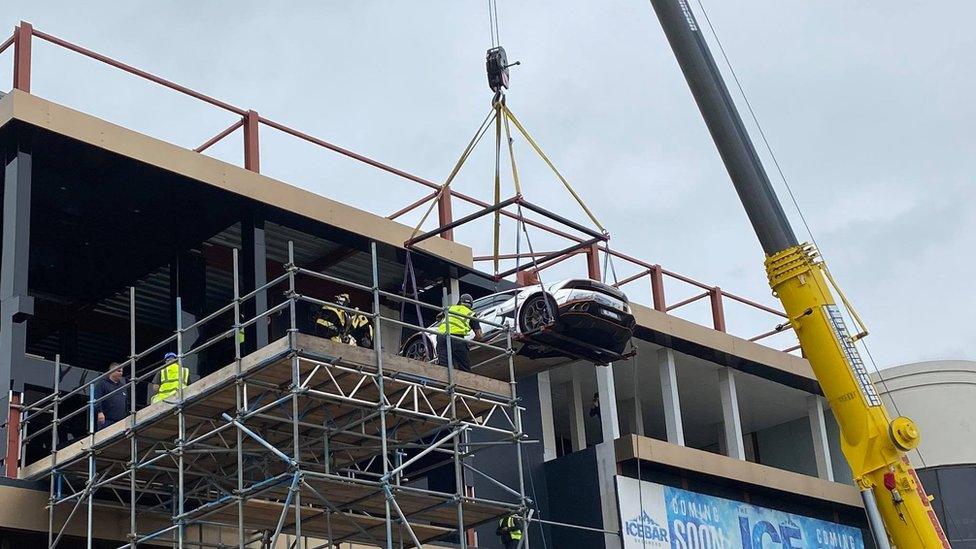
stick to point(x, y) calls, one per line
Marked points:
point(360, 330)
point(510, 530)
point(459, 325)
point(333, 322)
point(344, 326)
point(168, 381)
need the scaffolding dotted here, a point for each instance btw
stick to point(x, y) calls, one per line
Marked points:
point(306, 438)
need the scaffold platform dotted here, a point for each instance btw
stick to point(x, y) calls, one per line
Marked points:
point(335, 485)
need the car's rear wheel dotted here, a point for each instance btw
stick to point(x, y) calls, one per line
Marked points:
point(417, 349)
point(537, 312)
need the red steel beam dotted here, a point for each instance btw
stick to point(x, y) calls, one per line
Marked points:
point(687, 301)
point(657, 288)
point(411, 177)
point(8, 42)
point(718, 311)
point(22, 61)
point(412, 206)
point(219, 136)
point(138, 72)
point(471, 217)
point(552, 258)
point(558, 260)
point(593, 262)
point(632, 278)
point(13, 437)
point(22, 56)
point(511, 256)
point(444, 214)
point(774, 331)
point(252, 150)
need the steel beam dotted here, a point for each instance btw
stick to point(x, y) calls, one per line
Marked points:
point(16, 306)
point(23, 34)
point(254, 267)
point(252, 150)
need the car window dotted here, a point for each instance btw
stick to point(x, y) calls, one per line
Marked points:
point(492, 300)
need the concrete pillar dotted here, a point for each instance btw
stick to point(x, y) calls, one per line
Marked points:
point(732, 425)
point(669, 393)
point(453, 290)
point(818, 428)
point(577, 417)
point(606, 462)
point(633, 416)
point(545, 410)
point(609, 425)
point(391, 333)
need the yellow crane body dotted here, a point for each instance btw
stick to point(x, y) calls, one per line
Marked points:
point(872, 442)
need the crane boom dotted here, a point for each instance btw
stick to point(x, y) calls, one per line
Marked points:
point(873, 444)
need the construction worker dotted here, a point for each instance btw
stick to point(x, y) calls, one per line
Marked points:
point(510, 530)
point(332, 322)
point(169, 380)
point(459, 325)
point(112, 398)
point(360, 330)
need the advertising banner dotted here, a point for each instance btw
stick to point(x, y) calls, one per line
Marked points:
point(655, 516)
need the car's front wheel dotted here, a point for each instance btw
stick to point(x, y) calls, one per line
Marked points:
point(537, 312)
point(418, 349)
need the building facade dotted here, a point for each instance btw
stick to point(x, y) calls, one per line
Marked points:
point(940, 396)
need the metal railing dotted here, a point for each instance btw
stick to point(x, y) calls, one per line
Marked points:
point(250, 121)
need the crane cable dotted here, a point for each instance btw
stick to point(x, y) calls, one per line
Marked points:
point(493, 22)
point(806, 225)
point(789, 190)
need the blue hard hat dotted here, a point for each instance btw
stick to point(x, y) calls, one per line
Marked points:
point(168, 356)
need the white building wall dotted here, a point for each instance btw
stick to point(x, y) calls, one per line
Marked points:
point(941, 397)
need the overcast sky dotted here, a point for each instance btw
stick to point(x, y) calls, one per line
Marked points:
point(868, 106)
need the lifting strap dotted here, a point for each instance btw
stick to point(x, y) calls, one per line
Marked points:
point(482, 129)
point(518, 125)
point(409, 276)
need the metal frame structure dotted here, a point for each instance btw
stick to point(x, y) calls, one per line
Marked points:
point(303, 437)
point(251, 121)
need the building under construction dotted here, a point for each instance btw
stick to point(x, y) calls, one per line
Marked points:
point(121, 247)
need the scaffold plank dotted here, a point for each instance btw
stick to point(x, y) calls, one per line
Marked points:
point(338, 382)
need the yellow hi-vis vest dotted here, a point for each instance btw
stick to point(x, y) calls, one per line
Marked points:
point(508, 525)
point(459, 325)
point(171, 377)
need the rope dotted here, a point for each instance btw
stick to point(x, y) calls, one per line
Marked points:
point(538, 150)
point(608, 262)
point(511, 155)
point(482, 129)
point(493, 22)
point(498, 177)
point(411, 275)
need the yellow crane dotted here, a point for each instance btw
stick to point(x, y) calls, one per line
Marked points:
point(898, 509)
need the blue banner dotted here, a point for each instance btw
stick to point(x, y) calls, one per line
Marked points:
point(656, 516)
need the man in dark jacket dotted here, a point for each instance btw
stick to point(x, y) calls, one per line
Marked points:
point(115, 404)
